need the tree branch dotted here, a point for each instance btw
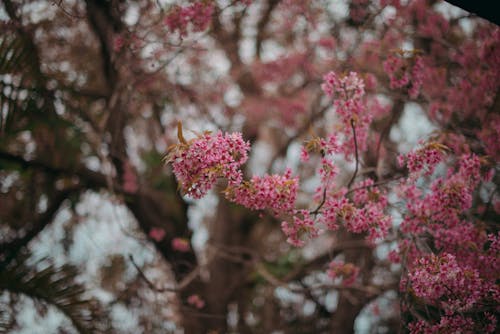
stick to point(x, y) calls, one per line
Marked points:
point(9, 250)
point(356, 154)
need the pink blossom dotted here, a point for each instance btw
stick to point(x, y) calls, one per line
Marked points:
point(348, 92)
point(405, 72)
point(118, 43)
point(347, 271)
point(394, 66)
point(157, 234)
point(302, 227)
point(180, 245)
point(424, 158)
point(304, 155)
point(198, 164)
point(198, 15)
point(274, 192)
point(196, 301)
point(129, 178)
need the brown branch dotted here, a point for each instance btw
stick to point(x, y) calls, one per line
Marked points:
point(321, 260)
point(356, 154)
point(396, 112)
point(262, 25)
point(148, 282)
point(9, 250)
point(90, 178)
point(307, 125)
point(376, 184)
point(105, 23)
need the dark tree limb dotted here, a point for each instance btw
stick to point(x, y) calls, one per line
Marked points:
point(9, 250)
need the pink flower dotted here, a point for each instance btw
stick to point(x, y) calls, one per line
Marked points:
point(157, 234)
point(129, 178)
point(180, 245)
point(302, 227)
point(404, 72)
point(118, 43)
point(425, 158)
point(196, 301)
point(198, 15)
point(304, 155)
point(347, 271)
point(274, 192)
point(348, 93)
point(198, 164)
point(441, 280)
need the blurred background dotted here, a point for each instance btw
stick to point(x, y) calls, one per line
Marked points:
point(95, 236)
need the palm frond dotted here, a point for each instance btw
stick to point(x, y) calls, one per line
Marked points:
point(56, 286)
point(20, 89)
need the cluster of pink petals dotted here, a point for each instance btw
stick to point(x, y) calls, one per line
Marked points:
point(417, 77)
point(424, 159)
point(431, 23)
point(441, 281)
point(196, 301)
point(198, 14)
point(472, 246)
point(269, 192)
point(349, 87)
point(395, 67)
point(348, 92)
point(327, 146)
point(447, 201)
point(199, 163)
point(281, 69)
point(301, 228)
point(490, 135)
point(459, 276)
point(365, 214)
point(453, 324)
point(402, 73)
point(347, 271)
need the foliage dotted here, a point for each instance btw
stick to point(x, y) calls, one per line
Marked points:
point(55, 286)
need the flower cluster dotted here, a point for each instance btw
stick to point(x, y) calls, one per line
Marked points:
point(330, 145)
point(448, 199)
point(425, 158)
point(196, 301)
point(405, 72)
point(367, 216)
point(348, 92)
point(199, 163)
point(347, 271)
point(198, 14)
point(452, 324)
point(274, 192)
point(441, 281)
point(302, 227)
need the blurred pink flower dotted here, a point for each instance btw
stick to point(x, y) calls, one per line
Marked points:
point(157, 234)
point(180, 245)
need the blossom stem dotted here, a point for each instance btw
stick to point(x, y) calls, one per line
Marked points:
point(356, 154)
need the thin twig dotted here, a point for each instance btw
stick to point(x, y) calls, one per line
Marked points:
point(148, 282)
point(356, 154)
point(382, 182)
